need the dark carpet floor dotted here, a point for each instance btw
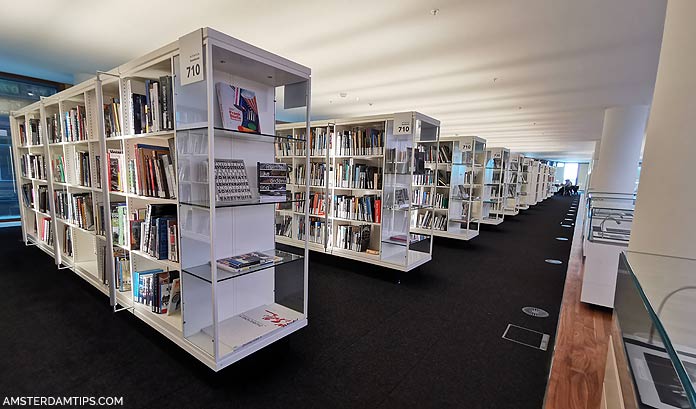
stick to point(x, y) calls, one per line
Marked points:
point(433, 341)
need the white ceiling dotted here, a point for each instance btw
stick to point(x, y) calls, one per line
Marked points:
point(531, 75)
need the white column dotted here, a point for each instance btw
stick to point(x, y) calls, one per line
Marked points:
point(665, 217)
point(622, 137)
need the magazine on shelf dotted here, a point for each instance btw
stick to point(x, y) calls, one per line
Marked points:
point(245, 261)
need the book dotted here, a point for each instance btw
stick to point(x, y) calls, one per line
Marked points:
point(116, 161)
point(272, 178)
point(174, 297)
point(239, 109)
point(231, 182)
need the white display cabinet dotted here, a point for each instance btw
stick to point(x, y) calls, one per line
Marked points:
point(495, 184)
point(140, 141)
point(369, 181)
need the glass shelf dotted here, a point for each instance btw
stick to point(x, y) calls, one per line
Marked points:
point(657, 326)
point(204, 271)
point(262, 200)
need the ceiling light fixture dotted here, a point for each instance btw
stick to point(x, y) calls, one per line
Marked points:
point(343, 94)
point(434, 12)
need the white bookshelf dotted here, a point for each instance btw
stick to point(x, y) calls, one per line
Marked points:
point(495, 184)
point(513, 185)
point(395, 239)
point(527, 183)
point(213, 323)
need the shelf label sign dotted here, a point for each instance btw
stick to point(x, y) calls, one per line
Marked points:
point(466, 147)
point(191, 57)
point(496, 155)
point(403, 124)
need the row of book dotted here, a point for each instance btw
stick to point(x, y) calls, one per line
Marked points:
point(158, 289)
point(44, 230)
point(355, 238)
point(317, 232)
point(422, 197)
point(358, 142)
point(317, 203)
point(318, 139)
point(151, 173)
point(33, 137)
point(36, 197)
point(67, 242)
point(122, 271)
point(363, 208)
point(425, 178)
point(82, 169)
point(317, 174)
point(75, 124)
point(151, 105)
point(112, 121)
point(33, 166)
point(58, 164)
point(428, 219)
point(76, 208)
point(357, 176)
point(153, 230)
point(283, 225)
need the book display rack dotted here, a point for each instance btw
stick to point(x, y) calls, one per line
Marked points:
point(365, 188)
point(495, 184)
point(157, 183)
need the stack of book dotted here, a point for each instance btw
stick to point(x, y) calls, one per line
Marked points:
point(247, 261)
point(75, 128)
point(284, 147)
point(33, 166)
point(82, 170)
point(429, 219)
point(357, 142)
point(157, 289)
point(76, 208)
point(317, 174)
point(364, 208)
point(355, 238)
point(445, 154)
point(440, 201)
point(151, 105)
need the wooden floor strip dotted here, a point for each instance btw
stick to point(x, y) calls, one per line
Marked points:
point(580, 353)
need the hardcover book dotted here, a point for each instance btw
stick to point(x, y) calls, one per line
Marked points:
point(239, 110)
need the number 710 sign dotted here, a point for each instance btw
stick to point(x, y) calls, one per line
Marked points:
point(403, 124)
point(191, 57)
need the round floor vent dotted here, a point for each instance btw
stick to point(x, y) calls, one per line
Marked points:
point(553, 261)
point(535, 312)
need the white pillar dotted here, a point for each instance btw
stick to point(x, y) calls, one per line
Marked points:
point(622, 137)
point(665, 217)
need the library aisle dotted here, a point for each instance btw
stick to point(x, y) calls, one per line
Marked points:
point(435, 340)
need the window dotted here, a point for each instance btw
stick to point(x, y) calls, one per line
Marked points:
point(15, 92)
point(570, 171)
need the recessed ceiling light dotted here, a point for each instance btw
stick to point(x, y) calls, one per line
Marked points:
point(343, 94)
point(222, 61)
point(519, 107)
point(357, 98)
point(495, 79)
point(434, 12)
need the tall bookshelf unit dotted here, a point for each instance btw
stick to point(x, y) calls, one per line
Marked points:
point(513, 186)
point(527, 186)
point(223, 314)
point(495, 184)
point(371, 177)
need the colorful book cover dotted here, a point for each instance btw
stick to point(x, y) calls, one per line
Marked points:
point(239, 110)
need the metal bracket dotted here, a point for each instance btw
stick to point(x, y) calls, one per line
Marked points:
point(116, 309)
